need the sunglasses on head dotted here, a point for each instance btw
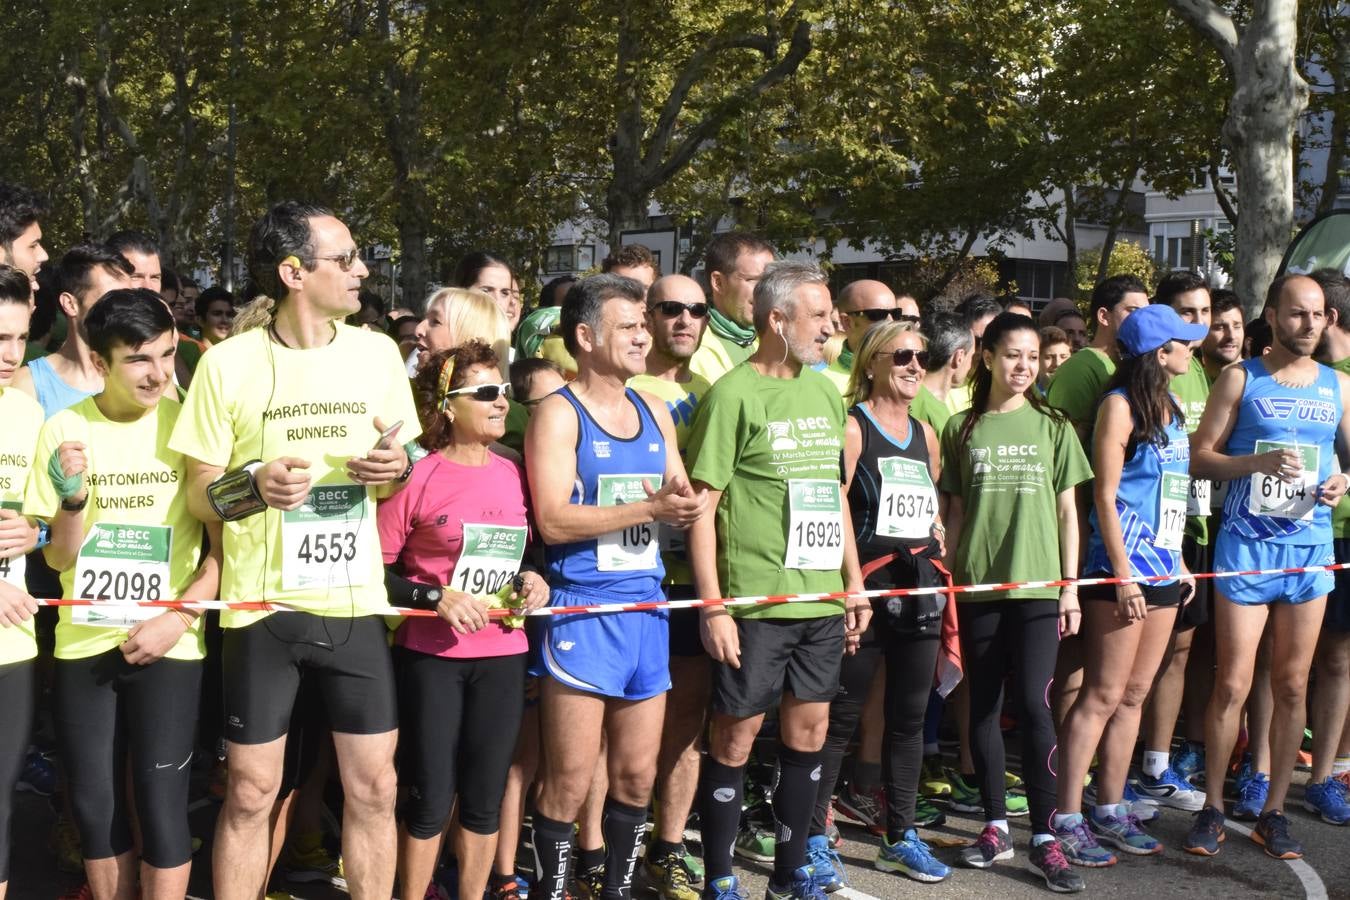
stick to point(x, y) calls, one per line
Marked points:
point(485, 392)
point(905, 357)
point(880, 315)
point(672, 309)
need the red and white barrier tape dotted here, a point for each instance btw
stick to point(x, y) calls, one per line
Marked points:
point(763, 600)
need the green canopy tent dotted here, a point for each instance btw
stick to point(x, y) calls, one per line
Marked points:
point(1324, 243)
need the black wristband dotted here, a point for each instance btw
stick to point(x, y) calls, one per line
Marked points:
point(75, 507)
point(407, 473)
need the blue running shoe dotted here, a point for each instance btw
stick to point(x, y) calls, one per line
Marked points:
point(1079, 845)
point(727, 888)
point(803, 887)
point(828, 868)
point(1251, 794)
point(910, 856)
point(1142, 807)
point(1327, 798)
point(38, 775)
point(1170, 789)
point(1121, 830)
point(1189, 762)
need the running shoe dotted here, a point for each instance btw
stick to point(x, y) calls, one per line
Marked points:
point(1189, 761)
point(926, 815)
point(990, 847)
point(1343, 778)
point(725, 888)
point(1047, 860)
point(911, 857)
point(1272, 833)
point(1206, 833)
point(1241, 772)
point(1170, 789)
point(1122, 831)
point(1327, 798)
point(38, 775)
point(1143, 808)
point(1251, 797)
point(932, 779)
point(313, 864)
point(754, 842)
point(505, 889)
point(589, 884)
point(803, 887)
point(826, 866)
point(867, 809)
point(1079, 845)
point(667, 876)
point(1012, 781)
point(965, 797)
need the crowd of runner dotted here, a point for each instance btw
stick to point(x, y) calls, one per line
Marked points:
point(313, 459)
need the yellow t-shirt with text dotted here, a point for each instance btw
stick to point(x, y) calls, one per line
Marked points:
point(18, 438)
point(254, 399)
point(137, 504)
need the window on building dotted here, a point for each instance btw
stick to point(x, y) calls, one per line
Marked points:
point(1178, 245)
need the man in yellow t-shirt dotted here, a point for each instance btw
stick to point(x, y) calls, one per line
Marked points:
point(18, 535)
point(279, 424)
point(733, 262)
point(105, 478)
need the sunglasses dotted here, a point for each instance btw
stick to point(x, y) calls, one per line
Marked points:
point(880, 315)
point(672, 309)
point(488, 393)
point(345, 261)
point(904, 357)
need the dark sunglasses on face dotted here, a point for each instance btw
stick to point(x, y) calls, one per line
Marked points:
point(672, 309)
point(488, 393)
point(880, 315)
point(904, 357)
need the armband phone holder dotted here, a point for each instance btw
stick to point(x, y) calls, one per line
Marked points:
point(234, 495)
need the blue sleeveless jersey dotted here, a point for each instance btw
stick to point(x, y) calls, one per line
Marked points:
point(52, 393)
point(1270, 411)
point(574, 567)
point(1138, 504)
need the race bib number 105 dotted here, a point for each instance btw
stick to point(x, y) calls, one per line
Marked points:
point(637, 547)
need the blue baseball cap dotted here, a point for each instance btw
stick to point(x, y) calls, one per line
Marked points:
point(1147, 329)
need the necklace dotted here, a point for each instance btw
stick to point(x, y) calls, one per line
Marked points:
point(276, 336)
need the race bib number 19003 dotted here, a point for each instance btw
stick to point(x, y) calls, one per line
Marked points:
point(122, 562)
point(489, 557)
point(325, 543)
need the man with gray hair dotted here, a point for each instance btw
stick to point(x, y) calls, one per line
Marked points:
point(951, 352)
point(767, 447)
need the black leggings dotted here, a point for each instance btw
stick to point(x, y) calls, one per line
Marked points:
point(16, 719)
point(910, 657)
point(107, 709)
point(460, 718)
point(1021, 636)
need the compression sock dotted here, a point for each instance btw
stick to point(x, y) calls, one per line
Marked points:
point(794, 799)
point(552, 855)
point(719, 809)
point(623, 827)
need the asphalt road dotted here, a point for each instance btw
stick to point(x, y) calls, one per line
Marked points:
point(1240, 870)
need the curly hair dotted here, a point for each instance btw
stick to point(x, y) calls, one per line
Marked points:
point(437, 427)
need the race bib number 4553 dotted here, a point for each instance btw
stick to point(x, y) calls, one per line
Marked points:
point(325, 543)
point(122, 562)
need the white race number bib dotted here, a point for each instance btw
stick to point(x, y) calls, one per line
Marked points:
point(637, 547)
point(122, 562)
point(12, 570)
point(1278, 499)
point(815, 525)
point(1198, 502)
point(907, 506)
point(1173, 493)
point(488, 558)
point(325, 543)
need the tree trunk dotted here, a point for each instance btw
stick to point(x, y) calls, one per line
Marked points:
point(1113, 224)
point(1268, 96)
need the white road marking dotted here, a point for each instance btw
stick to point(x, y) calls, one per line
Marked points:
point(850, 894)
point(1313, 887)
